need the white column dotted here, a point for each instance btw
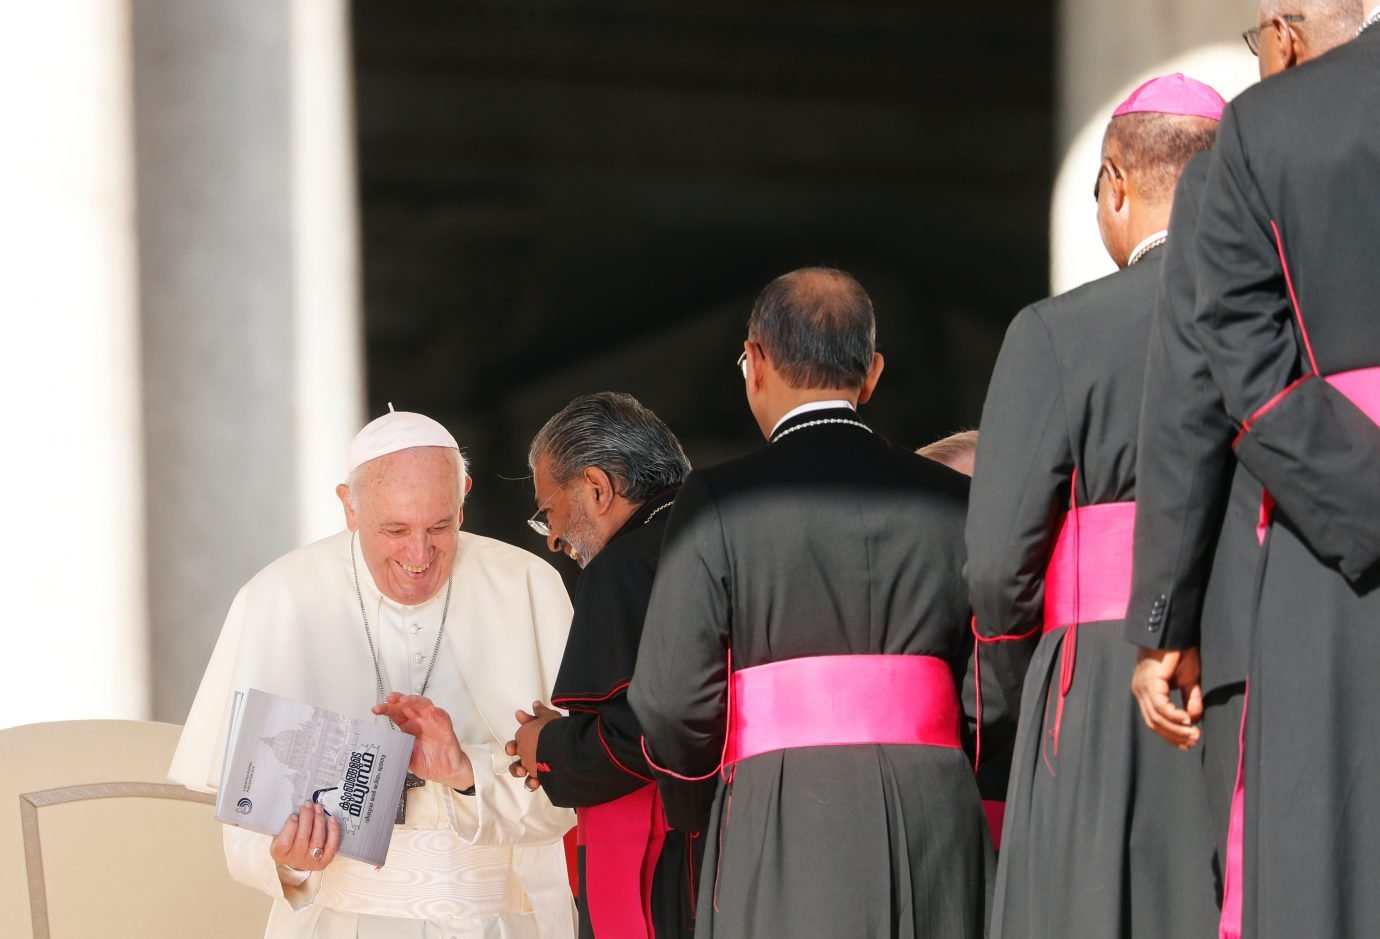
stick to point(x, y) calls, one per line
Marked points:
point(330, 329)
point(250, 302)
point(72, 539)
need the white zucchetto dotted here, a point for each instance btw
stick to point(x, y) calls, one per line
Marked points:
point(396, 430)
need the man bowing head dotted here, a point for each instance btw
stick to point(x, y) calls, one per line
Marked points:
point(805, 628)
point(401, 599)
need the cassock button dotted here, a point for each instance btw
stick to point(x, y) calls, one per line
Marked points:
point(418, 687)
point(419, 658)
point(416, 628)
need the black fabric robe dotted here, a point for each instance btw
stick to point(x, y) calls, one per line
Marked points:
point(1298, 154)
point(595, 755)
point(1217, 571)
point(828, 542)
point(1088, 850)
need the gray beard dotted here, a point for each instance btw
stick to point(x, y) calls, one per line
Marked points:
point(582, 537)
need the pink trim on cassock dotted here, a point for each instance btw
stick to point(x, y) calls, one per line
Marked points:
point(1261, 411)
point(1293, 297)
point(622, 841)
point(1229, 927)
point(1360, 386)
point(837, 700)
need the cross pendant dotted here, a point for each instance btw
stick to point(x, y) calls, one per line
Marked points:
point(411, 782)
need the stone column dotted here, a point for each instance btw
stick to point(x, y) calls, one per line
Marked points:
point(71, 553)
point(248, 275)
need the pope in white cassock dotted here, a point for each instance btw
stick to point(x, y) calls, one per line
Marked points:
point(402, 600)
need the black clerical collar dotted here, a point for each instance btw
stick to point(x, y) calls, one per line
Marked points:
point(823, 417)
point(658, 506)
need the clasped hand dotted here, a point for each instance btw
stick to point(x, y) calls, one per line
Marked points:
point(524, 745)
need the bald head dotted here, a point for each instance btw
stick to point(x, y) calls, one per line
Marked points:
point(1151, 149)
point(817, 327)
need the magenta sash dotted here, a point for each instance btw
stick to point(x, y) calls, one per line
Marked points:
point(622, 841)
point(1088, 579)
point(836, 700)
point(1361, 387)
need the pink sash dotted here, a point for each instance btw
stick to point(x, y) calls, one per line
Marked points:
point(1089, 575)
point(835, 700)
point(1361, 387)
point(622, 841)
point(1088, 580)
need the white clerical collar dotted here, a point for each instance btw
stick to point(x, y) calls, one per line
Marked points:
point(1152, 241)
point(809, 406)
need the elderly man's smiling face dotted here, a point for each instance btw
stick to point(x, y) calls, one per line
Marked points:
point(406, 509)
point(570, 530)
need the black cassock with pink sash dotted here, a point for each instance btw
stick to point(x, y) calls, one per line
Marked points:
point(828, 568)
point(1107, 830)
point(1288, 316)
point(637, 875)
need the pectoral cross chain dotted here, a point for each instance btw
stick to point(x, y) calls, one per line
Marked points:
point(411, 782)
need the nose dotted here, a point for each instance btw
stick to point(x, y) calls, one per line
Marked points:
point(554, 543)
point(419, 548)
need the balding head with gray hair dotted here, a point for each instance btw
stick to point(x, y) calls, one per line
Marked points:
point(615, 433)
point(1314, 27)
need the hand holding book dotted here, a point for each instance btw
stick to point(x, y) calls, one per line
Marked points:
point(308, 841)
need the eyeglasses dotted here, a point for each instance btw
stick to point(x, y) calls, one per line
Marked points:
point(1107, 167)
point(1252, 36)
point(538, 522)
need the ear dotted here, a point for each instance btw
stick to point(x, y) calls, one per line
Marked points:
point(342, 493)
point(874, 375)
point(1291, 44)
point(756, 365)
point(469, 484)
point(601, 485)
point(1117, 180)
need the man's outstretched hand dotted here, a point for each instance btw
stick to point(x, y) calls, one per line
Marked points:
point(436, 754)
point(1158, 673)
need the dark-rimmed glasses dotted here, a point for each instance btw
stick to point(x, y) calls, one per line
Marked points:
point(1252, 36)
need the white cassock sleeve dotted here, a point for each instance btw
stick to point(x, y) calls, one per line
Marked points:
point(502, 810)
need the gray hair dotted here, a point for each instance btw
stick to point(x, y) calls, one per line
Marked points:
point(354, 480)
point(817, 328)
point(617, 434)
point(1327, 23)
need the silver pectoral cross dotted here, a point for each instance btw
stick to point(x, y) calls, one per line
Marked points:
point(411, 782)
